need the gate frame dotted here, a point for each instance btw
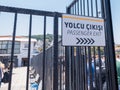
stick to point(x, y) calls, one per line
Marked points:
point(31, 12)
point(110, 50)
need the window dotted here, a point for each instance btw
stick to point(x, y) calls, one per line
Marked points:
point(3, 51)
point(16, 51)
point(9, 51)
point(6, 46)
point(17, 47)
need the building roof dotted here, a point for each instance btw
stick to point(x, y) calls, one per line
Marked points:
point(17, 38)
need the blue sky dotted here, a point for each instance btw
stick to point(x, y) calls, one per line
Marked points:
point(115, 7)
point(52, 5)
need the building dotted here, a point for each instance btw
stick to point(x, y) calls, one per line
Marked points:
point(117, 48)
point(20, 49)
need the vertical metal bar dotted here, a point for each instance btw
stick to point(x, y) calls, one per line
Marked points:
point(60, 60)
point(70, 68)
point(83, 59)
point(107, 62)
point(55, 79)
point(102, 9)
point(67, 62)
point(12, 50)
point(44, 54)
point(88, 7)
point(78, 6)
point(76, 67)
point(83, 67)
point(66, 68)
point(94, 54)
point(75, 9)
point(100, 69)
point(29, 50)
point(92, 8)
point(99, 85)
point(79, 65)
point(81, 6)
point(90, 68)
point(88, 47)
point(110, 45)
point(72, 12)
point(52, 61)
point(107, 69)
point(75, 62)
point(46, 81)
point(80, 70)
point(96, 5)
point(86, 72)
point(73, 69)
point(84, 7)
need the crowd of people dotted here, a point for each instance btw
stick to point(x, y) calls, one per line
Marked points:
point(97, 72)
point(98, 63)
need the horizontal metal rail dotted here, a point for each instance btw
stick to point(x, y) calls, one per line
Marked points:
point(28, 11)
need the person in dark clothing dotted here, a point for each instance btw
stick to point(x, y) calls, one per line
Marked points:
point(1, 72)
point(92, 72)
point(6, 76)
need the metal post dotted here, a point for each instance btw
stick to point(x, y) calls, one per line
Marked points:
point(67, 61)
point(29, 50)
point(66, 68)
point(55, 63)
point(12, 50)
point(44, 44)
point(110, 44)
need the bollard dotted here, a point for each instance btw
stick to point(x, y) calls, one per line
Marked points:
point(34, 86)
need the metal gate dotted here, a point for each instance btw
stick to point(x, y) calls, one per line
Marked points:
point(83, 69)
point(52, 69)
point(70, 68)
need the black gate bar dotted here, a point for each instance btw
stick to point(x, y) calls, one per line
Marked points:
point(55, 69)
point(29, 50)
point(44, 45)
point(110, 43)
point(12, 50)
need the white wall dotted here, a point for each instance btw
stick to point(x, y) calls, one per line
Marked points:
point(24, 52)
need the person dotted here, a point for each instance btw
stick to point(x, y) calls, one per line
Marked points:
point(6, 76)
point(100, 71)
point(92, 73)
point(103, 61)
point(118, 69)
point(1, 72)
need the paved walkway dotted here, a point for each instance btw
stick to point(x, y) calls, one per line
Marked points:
point(18, 79)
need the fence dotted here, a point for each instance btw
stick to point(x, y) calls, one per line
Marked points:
point(69, 67)
point(79, 67)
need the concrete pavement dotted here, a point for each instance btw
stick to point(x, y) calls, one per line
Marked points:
point(18, 79)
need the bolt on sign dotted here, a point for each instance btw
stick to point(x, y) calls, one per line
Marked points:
point(82, 31)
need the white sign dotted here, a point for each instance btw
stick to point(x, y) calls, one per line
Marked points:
point(82, 31)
